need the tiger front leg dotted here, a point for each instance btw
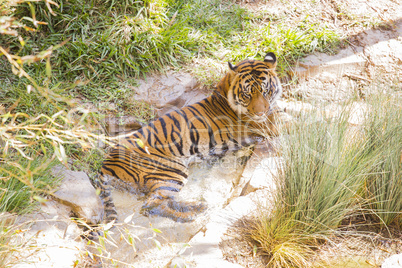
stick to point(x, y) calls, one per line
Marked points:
point(162, 203)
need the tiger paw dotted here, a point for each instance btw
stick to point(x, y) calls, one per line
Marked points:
point(169, 208)
point(195, 207)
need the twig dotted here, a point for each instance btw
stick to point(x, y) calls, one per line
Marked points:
point(356, 77)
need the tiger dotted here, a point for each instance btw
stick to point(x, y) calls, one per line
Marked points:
point(151, 159)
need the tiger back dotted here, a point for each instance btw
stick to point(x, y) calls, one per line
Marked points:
point(151, 159)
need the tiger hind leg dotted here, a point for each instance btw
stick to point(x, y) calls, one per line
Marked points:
point(91, 231)
point(162, 203)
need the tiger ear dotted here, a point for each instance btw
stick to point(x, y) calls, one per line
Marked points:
point(231, 67)
point(270, 58)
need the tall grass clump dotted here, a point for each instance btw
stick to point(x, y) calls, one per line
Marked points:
point(320, 183)
point(333, 170)
point(383, 132)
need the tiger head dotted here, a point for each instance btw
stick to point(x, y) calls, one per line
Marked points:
point(251, 86)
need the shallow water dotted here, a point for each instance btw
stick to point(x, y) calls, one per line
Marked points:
point(213, 184)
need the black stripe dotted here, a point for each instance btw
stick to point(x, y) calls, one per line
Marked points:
point(163, 125)
point(174, 181)
point(110, 170)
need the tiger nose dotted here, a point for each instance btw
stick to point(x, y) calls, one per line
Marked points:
point(260, 113)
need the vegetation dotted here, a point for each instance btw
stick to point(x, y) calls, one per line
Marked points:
point(383, 187)
point(111, 43)
point(55, 56)
point(333, 171)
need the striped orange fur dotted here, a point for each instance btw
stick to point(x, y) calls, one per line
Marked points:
point(243, 100)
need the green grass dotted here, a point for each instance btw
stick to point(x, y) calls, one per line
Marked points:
point(108, 43)
point(21, 180)
point(384, 185)
point(34, 103)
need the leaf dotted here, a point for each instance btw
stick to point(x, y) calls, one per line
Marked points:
point(129, 218)
point(102, 242)
point(183, 249)
point(61, 153)
point(254, 251)
point(109, 242)
point(158, 244)
point(139, 142)
point(108, 225)
point(130, 240)
point(55, 138)
point(14, 70)
point(156, 230)
point(48, 68)
point(21, 152)
point(22, 42)
point(40, 199)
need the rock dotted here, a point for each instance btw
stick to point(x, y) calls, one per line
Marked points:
point(77, 192)
point(7, 219)
point(261, 168)
point(179, 262)
point(169, 92)
point(295, 108)
point(159, 90)
point(166, 93)
point(49, 239)
point(263, 175)
point(190, 96)
point(346, 59)
point(356, 110)
point(374, 58)
point(395, 261)
point(385, 58)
